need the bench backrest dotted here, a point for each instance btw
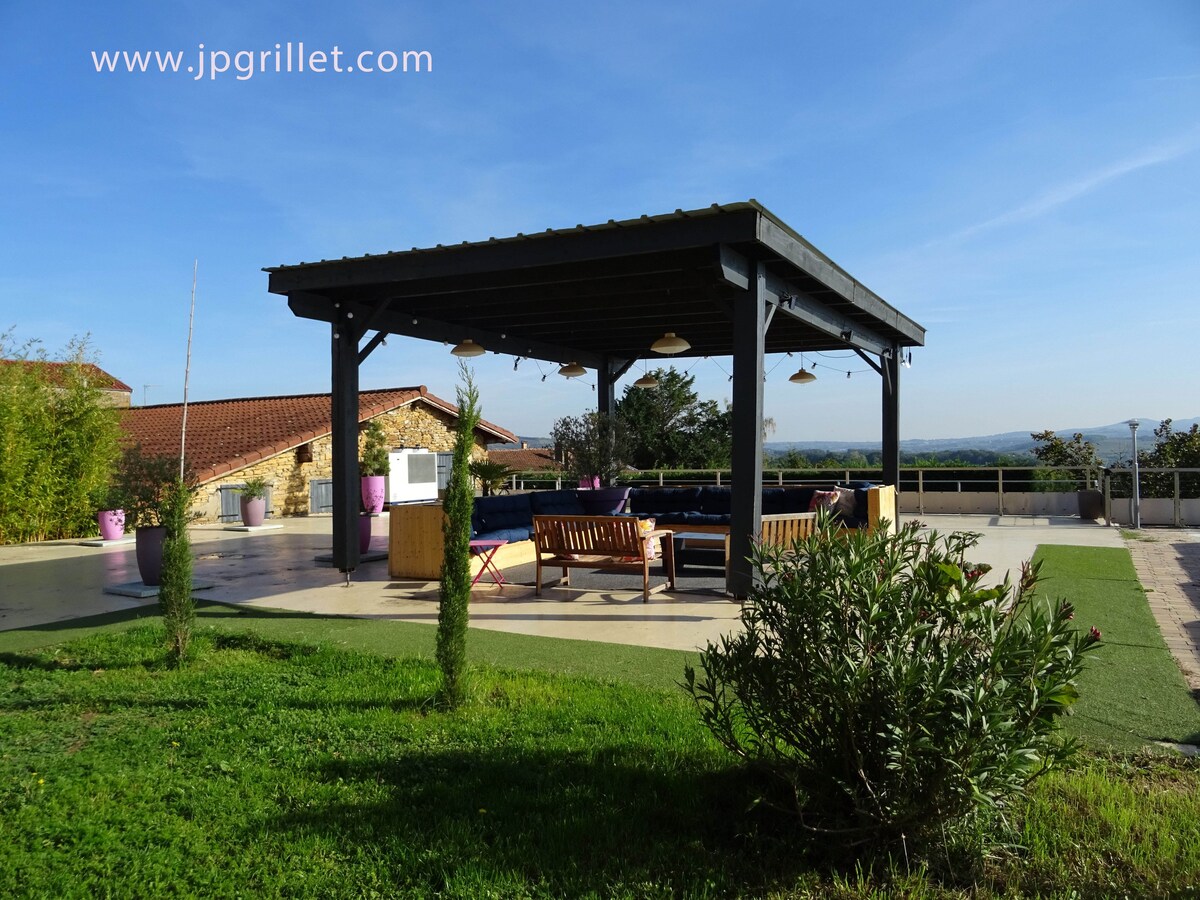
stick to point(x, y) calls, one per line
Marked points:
point(785, 529)
point(600, 535)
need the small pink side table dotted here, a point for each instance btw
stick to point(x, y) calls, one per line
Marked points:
point(486, 550)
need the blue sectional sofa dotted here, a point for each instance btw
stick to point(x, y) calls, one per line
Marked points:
point(510, 516)
point(709, 505)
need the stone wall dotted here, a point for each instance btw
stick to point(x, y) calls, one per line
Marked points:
point(414, 425)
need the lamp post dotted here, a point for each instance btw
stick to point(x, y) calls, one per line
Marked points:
point(1137, 500)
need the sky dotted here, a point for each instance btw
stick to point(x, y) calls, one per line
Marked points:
point(1020, 178)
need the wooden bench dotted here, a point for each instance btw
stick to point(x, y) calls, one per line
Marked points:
point(600, 542)
point(777, 530)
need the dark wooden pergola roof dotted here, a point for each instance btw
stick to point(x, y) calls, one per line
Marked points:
point(609, 290)
point(733, 280)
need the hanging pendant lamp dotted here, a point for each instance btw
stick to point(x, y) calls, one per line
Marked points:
point(468, 348)
point(670, 343)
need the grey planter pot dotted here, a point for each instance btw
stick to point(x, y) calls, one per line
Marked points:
point(254, 511)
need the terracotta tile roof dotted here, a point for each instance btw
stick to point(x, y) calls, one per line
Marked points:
point(95, 376)
point(225, 435)
point(532, 459)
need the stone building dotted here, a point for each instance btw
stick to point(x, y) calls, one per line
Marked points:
point(526, 458)
point(288, 442)
point(113, 391)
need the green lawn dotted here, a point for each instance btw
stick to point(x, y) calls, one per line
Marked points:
point(302, 757)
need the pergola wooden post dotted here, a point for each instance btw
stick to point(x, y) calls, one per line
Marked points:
point(745, 512)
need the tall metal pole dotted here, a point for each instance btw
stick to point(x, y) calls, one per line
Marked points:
point(1137, 499)
point(187, 372)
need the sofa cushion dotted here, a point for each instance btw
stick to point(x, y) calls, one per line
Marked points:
point(556, 503)
point(652, 501)
point(797, 500)
point(500, 513)
point(671, 518)
point(519, 533)
point(702, 518)
point(714, 501)
point(773, 500)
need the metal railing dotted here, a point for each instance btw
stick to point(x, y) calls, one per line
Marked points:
point(1013, 489)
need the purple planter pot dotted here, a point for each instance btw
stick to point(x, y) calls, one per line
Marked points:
point(149, 548)
point(608, 501)
point(253, 511)
point(374, 490)
point(364, 533)
point(112, 524)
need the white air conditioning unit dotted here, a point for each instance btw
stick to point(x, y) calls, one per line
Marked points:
point(413, 477)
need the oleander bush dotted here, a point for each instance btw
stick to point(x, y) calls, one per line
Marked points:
point(886, 692)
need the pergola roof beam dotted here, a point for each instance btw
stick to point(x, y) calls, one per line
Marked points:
point(311, 306)
point(737, 271)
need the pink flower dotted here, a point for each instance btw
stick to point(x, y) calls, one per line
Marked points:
point(1095, 633)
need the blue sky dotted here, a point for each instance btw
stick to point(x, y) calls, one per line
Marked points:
point(1022, 178)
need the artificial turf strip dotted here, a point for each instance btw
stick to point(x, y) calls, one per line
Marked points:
point(1131, 690)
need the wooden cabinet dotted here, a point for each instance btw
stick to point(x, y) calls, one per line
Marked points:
point(415, 542)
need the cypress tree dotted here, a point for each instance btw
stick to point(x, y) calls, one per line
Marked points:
point(455, 587)
point(175, 588)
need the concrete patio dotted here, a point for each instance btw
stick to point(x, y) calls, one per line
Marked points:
point(61, 580)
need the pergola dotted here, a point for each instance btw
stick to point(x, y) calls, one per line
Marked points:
point(733, 280)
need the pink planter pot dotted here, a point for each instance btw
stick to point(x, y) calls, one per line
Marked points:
point(253, 511)
point(374, 491)
point(364, 534)
point(112, 524)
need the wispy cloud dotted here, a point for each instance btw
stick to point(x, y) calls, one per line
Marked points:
point(1188, 77)
point(1064, 193)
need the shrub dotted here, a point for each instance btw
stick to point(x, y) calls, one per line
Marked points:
point(594, 445)
point(145, 481)
point(58, 443)
point(492, 476)
point(374, 459)
point(890, 692)
point(253, 489)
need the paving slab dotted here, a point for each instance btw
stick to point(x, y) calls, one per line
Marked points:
point(1168, 565)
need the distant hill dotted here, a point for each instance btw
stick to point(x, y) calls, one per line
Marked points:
point(1112, 441)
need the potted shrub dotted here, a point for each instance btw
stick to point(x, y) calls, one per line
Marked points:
point(594, 448)
point(145, 481)
point(110, 513)
point(1077, 454)
point(374, 467)
point(492, 476)
point(253, 501)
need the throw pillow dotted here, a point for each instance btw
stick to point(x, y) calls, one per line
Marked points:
point(845, 504)
point(823, 500)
